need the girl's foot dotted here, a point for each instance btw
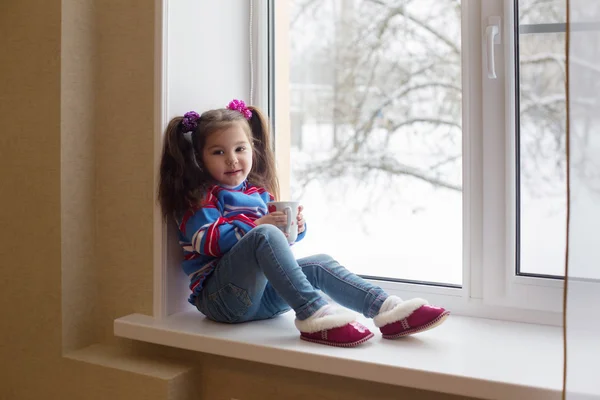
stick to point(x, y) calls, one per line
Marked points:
point(399, 318)
point(333, 326)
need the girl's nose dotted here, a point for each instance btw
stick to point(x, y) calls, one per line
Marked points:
point(232, 161)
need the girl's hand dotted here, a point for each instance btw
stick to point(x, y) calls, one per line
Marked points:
point(277, 218)
point(300, 220)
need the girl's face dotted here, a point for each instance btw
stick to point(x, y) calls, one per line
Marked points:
point(227, 155)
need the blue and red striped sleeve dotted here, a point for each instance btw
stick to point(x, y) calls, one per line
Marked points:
point(209, 232)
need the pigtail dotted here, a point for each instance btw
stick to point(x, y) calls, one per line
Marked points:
point(180, 174)
point(263, 171)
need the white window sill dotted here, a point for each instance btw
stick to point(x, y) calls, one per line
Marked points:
point(465, 356)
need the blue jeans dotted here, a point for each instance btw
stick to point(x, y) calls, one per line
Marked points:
point(259, 278)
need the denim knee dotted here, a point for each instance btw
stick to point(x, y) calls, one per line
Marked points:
point(323, 260)
point(267, 231)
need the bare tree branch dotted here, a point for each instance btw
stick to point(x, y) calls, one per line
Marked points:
point(401, 92)
point(401, 10)
point(304, 8)
point(377, 76)
point(449, 160)
point(336, 168)
point(432, 120)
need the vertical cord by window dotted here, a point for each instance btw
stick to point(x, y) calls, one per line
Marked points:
point(568, 162)
point(251, 99)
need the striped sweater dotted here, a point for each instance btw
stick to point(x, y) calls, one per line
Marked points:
point(210, 230)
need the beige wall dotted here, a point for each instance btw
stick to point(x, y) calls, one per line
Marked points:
point(76, 90)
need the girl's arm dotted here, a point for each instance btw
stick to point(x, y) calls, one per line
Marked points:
point(212, 234)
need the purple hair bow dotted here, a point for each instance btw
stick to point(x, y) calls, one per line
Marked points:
point(190, 121)
point(239, 105)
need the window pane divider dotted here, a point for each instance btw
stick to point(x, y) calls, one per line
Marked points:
point(558, 27)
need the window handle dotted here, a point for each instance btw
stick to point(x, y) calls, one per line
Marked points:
point(492, 36)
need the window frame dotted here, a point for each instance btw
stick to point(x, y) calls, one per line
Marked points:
point(490, 287)
point(526, 29)
point(508, 288)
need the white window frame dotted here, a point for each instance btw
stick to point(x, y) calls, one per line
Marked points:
point(490, 287)
point(503, 287)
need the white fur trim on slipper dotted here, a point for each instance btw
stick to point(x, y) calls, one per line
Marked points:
point(338, 317)
point(399, 312)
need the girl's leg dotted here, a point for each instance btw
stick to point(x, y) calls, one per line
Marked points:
point(235, 292)
point(346, 288)
point(395, 317)
point(260, 270)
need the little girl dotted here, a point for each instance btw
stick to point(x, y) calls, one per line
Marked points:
point(217, 175)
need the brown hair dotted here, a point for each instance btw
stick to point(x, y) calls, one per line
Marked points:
point(183, 182)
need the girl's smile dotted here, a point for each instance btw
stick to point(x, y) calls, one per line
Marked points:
point(227, 155)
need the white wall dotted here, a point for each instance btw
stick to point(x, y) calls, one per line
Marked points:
point(207, 65)
point(208, 56)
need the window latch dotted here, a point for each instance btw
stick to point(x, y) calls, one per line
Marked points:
point(492, 37)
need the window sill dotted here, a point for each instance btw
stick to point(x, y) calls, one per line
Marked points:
point(465, 356)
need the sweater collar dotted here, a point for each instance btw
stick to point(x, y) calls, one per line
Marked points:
point(239, 188)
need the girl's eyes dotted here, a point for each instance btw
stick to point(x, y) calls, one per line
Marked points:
point(220, 152)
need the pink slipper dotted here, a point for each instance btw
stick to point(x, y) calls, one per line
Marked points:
point(349, 335)
point(338, 328)
point(409, 317)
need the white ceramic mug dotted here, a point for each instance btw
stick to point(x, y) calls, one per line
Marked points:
point(290, 208)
